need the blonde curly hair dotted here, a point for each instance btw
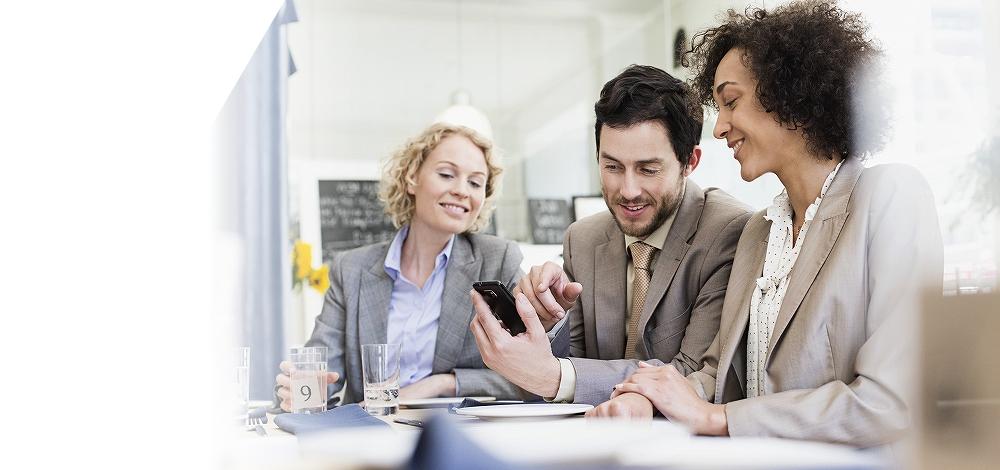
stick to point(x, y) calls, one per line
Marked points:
point(399, 168)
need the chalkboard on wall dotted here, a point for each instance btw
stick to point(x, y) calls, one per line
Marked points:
point(351, 216)
point(549, 220)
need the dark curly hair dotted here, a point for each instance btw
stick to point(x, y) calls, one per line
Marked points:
point(643, 93)
point(815, 67)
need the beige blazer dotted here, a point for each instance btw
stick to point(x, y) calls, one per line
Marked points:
point(683, 304)
point(839, 365)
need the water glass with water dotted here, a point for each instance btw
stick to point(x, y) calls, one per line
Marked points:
point(308, 380)
point(241, 367)
point(380, 367)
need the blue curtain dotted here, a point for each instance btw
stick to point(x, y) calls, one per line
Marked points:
point(252, 151)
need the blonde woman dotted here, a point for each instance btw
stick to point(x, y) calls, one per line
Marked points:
point(439, 189)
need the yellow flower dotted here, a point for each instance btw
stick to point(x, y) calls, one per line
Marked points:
point(320, 279)
point(302, 260)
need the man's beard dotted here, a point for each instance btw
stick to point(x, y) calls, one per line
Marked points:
point(666, 208)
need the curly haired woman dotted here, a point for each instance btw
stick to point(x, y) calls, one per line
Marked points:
point(816, 337)
point(439, 189)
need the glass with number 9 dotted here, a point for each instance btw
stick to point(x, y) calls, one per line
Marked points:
point(308, 380)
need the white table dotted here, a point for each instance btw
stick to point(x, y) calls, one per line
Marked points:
point(650, 444)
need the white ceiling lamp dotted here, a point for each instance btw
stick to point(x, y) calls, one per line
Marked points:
point(461, 112)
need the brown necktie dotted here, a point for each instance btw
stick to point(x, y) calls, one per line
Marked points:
point(641, 255)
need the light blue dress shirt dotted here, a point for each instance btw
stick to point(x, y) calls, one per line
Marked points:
point(414, 312)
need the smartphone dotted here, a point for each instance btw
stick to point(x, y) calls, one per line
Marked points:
point(501, 302)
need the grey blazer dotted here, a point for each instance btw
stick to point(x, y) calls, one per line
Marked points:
point(356, 311)
point(840, 362)
point(684, 302)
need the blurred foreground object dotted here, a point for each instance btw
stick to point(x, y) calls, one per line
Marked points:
point(960, 386)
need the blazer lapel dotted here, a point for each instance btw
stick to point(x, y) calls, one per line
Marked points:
point(747, 267)
point(456, 311)
point(674, 248)
point(373, 304)
point(816, 247)
point(609, 290)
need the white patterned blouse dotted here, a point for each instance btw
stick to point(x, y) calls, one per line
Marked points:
point(771, 287)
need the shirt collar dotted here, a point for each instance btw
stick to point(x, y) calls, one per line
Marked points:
point(392, 259)
point(811, 211)
point(780, 211)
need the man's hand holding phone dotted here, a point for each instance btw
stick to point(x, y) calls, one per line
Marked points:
point(501, 303)
point(525, 359)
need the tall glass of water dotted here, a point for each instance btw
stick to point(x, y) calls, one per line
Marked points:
point(380, 367)
point(241, 366)
point(308, 380)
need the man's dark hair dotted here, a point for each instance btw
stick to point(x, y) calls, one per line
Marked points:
point(642, 93)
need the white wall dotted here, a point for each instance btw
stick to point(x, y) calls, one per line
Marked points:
point(370, 74)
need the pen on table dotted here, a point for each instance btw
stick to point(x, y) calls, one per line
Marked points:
point(411, 422)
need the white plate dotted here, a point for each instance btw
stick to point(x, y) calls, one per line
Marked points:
point(440, 402)
point(528, 411)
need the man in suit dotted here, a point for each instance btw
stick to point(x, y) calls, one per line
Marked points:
point(642, 282)
point(817, 336)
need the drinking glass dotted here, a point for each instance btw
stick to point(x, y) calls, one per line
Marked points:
point(241, 365)
point(380, 367)
point(308, 380)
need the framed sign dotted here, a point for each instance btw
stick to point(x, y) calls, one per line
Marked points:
point(339, 208)
point(549, 220)
point(350, 215)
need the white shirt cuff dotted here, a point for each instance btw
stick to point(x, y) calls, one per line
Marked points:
point(567, 383)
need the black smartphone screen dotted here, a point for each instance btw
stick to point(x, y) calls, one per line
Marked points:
point(501, 302)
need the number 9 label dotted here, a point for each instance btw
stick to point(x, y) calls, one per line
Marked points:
point(306, 393)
